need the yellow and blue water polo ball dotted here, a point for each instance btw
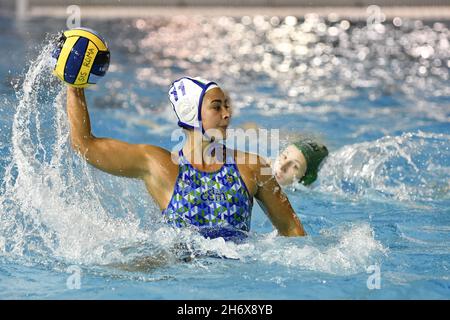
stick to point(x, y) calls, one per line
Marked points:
point(82, 57)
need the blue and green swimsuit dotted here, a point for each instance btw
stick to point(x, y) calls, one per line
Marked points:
point(218, 203)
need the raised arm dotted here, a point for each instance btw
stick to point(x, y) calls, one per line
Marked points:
point(275, 203)
point(109, 155)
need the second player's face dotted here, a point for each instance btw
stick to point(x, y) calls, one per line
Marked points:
point(289, 166)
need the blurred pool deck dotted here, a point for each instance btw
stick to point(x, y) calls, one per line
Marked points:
point(343, 9)
point(353, 13)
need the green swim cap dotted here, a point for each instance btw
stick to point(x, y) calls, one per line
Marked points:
point(314, 154)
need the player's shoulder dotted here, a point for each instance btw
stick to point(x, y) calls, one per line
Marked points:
point(156, 153)
point(250, 160)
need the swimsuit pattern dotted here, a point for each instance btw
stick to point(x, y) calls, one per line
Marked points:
point(218, 200)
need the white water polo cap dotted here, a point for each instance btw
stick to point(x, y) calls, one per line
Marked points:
point(186, 95)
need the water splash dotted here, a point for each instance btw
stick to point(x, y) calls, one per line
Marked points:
point(53, 205)
point(342, 250)
point(412, 167)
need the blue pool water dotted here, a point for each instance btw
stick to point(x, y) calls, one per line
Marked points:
point(379, 97)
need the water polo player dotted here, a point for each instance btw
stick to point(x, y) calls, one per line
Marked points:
point(200, 185)
point(194, 190)
point(299, 162)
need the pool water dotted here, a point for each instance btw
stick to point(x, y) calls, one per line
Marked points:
point(377, 218)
